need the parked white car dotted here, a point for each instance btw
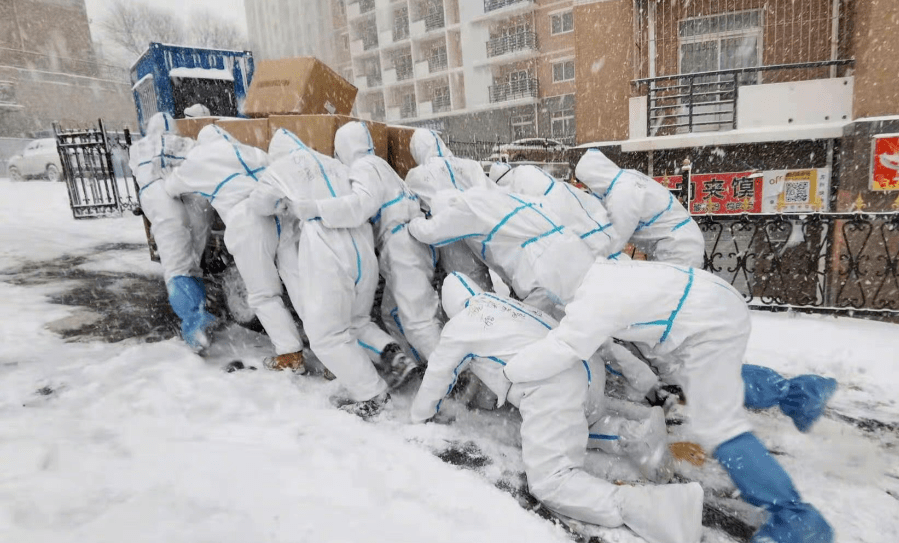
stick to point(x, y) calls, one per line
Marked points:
point(39, 159)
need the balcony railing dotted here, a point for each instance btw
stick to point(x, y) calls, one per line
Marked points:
point(401, 30)
point(407, 111)
point(513, 90)
point(366, 5)
point(511, 43)
point(434, 20)
point(440, 103)
point(706, 100)
point(490, 5)
point(404, 68)
point(369, 40)
point(373, 80)
point(437, 62)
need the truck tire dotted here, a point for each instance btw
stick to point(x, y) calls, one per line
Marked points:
point(234, 299)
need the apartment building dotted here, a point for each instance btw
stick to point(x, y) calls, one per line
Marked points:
point(48, 71)
point(484, 70)
point(741, 85)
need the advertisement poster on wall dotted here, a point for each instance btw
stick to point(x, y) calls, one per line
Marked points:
point(796, 191)
point(885, 162)
point(734, 192)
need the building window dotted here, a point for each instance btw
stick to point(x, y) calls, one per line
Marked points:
point(345, 42)
point(562, 124)
point(721, 42)
point(407, 108)
point(562, 22)
point(523, 126)
point(441, 100)
point(563, 71)
point(7, 92)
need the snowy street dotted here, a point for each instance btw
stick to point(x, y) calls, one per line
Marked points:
point(112, 430)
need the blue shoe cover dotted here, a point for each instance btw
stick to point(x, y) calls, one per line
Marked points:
point(187, 296)
point(800, 523)
point(763, 387)
point(764, 483)
point(806, 399)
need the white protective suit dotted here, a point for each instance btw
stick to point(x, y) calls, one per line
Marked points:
point(525, 243)
point(643, 212)
point(407, 265)
point(692, 326)
point(439, 170)
point(226, 172)
point(339, 276)
point(152, 159)
point(483, 333)
point(580, 212)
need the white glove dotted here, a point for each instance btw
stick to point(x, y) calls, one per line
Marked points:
point(304, 209)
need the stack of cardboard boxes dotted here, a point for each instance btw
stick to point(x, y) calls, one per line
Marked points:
point(309, 99)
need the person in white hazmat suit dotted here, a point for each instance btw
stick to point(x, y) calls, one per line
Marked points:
point(438, 169)
point(693, 327)
point(520, 239)
point(486, 330)
point(580, 211)
point(152, 159)
point(225, 172)
point(642, 212)
point(340, 272)
point(407, 265)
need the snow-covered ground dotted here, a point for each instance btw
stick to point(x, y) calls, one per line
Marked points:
point(138, 441)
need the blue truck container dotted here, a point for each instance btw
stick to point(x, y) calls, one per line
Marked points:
point(171, 78)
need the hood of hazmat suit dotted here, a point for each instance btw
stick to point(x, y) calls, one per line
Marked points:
point(595, 170)
point(456, 291)
point(352, 142)
point(219, 168)
point(160, 151)
point(196, 110)
point(426, 144)
point(499, 173)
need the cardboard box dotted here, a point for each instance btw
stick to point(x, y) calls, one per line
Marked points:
point(253, 132)
point(189, 128)
point(317, 131)
point(399, 155)
point(298, 86)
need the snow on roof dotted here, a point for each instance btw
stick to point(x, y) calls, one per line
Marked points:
point(141, 80)
point(202, 73)
point(728, 137)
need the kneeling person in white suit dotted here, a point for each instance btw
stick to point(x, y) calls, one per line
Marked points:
point(693, 327)
point(485, 331)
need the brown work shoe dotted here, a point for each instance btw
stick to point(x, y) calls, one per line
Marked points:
point(288, 361)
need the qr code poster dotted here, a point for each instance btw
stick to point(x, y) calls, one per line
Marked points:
point(885, 167)
point(735, 192)
point(796, 191)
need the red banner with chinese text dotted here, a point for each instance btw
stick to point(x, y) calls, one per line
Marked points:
point(734, 192)
point(671, 182)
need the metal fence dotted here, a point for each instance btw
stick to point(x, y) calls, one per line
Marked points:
point(95, 169)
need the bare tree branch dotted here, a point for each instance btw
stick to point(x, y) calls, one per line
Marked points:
point(132, 25)
point(206, 29)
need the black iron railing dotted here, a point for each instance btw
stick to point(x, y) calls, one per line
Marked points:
point(827, 262)
point(520, 41)
point(95, 169)
point(475, 150)
point(369, 40)
point(490, 5)
point(407, 111)
point(707, 100)
point(513, 90)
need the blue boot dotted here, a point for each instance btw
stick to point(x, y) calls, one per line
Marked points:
point(187, 296)
point(764, 483)
point(801, 398)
